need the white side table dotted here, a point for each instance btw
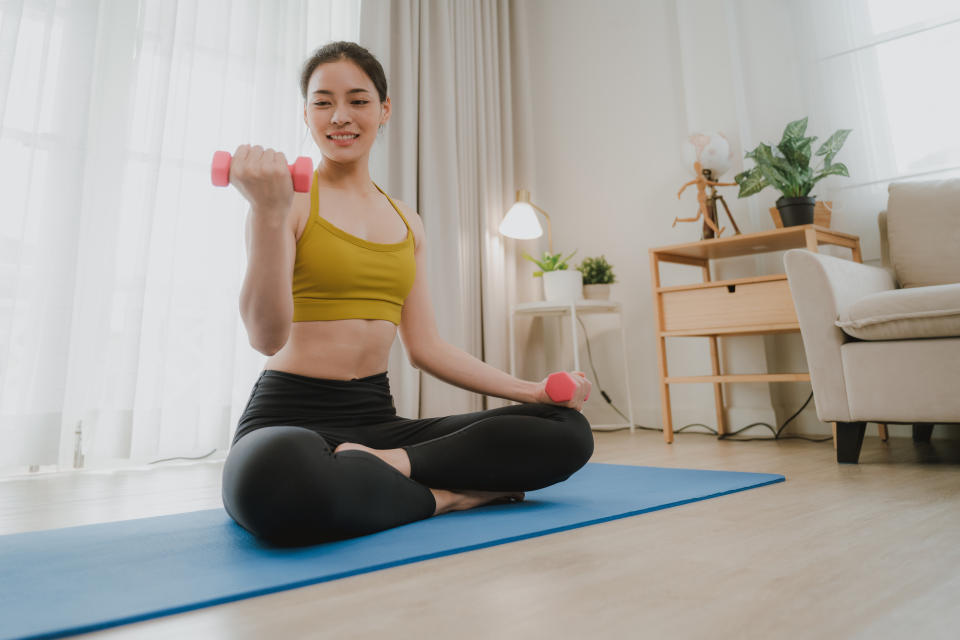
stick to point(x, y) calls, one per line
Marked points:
point(573, 308)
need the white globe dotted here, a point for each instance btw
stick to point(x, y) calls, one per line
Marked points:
point(711, 149)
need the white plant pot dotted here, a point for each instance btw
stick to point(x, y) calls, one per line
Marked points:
point(596, 291)
point(562, 285)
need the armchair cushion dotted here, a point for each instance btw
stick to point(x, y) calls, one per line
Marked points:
point(923, 228)
point(903, 380)
point(903, 314)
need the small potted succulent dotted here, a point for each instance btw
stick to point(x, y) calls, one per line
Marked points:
point(787, 168)
point(559, 283)
point(597, 278)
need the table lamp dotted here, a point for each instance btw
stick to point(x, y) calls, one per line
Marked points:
point(711, 150)
point(521, 222)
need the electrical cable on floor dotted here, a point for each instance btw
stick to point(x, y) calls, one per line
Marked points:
point(710, 430)
point(206, 455)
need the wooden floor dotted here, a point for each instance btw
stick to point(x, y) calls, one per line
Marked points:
point(837, 551)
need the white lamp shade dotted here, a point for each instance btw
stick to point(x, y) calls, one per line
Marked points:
point(712, 150)
point(521, 222)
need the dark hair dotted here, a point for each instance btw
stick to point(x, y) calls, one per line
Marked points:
point(334, 51)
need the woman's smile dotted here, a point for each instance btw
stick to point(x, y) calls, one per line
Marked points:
point(343, 139)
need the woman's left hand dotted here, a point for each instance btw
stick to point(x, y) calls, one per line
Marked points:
point(579, 394)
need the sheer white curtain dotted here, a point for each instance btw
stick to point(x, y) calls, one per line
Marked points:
point(120, 265)
point(884, 68)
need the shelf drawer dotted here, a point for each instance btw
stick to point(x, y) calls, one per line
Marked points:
point(723, 306)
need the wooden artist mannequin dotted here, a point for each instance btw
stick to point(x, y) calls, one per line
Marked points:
point(708, 205)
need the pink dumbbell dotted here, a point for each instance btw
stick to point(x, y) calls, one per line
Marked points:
point(560, 387)
point(301, 171)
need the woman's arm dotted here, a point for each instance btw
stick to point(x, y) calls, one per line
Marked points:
point(266, 298)
point(459, 368)
point(429, 352)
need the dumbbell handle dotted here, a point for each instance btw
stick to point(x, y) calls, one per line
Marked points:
point(560, 387)
point(301, 171)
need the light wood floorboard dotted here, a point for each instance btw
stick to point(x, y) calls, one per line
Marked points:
point(837, 551)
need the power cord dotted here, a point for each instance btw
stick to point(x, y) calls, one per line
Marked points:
point(710, 430)
point(206, 455)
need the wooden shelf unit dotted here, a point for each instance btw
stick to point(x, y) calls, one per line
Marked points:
point(741, 306)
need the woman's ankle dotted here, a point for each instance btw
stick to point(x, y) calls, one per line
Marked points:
point(444, 500)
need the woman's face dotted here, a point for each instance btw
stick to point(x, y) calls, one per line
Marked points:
point(343, 110)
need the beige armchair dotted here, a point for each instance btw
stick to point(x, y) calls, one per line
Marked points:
point(883, 343)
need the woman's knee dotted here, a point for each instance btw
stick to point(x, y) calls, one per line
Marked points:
point(564, 448)
point(269, 477)
point(577, 436)
point(570, 437)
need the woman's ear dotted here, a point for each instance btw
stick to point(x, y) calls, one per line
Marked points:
point(385, 109)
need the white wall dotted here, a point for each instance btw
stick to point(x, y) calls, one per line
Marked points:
point(616, 86)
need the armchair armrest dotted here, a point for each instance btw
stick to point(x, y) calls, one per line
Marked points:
point(821, 287)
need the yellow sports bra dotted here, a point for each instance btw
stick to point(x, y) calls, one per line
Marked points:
point(337, 275)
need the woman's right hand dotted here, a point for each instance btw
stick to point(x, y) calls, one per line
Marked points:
point(263, 178)
point(582, 390)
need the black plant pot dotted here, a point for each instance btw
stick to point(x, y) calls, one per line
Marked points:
point(796, 211)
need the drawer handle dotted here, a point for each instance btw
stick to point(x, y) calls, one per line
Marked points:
point(732, 288)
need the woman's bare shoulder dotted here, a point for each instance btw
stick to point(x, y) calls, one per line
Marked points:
point(416, 222)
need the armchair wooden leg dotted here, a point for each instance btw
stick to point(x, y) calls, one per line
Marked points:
point(834, 435)
point(922, 432)
point(849, 440)
point(882, 430)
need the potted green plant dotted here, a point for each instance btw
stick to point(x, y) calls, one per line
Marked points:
point(597, 278)
point(559, 283)
point(787, 168)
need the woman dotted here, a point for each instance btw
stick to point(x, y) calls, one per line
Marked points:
point(320, 453)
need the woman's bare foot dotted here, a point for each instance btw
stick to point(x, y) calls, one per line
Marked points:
point(396, 458)
point(463, 500)
point(446, 500)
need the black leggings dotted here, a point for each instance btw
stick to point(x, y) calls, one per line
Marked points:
point(283, 483)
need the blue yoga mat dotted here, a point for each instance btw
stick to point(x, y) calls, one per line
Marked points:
point(80, 579)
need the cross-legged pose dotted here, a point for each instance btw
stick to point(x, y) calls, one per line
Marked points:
point(319, 452)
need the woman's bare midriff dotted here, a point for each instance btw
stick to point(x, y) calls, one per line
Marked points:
point(336, 349)
point(340, 349)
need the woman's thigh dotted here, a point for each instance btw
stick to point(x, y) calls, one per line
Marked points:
point(404, 432)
